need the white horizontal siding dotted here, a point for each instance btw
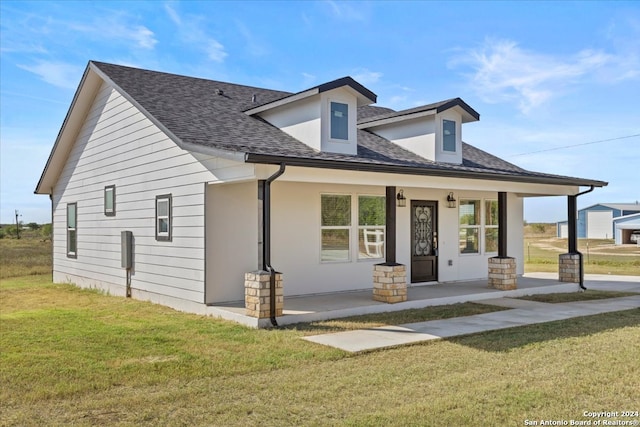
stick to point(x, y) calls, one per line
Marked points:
point(119, 146)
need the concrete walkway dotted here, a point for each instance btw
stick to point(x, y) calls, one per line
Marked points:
point(521, 313)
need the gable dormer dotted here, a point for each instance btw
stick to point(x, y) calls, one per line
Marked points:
point(432, 131)
point(323, 117)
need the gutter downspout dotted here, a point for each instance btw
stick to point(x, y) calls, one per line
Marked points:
point(580, 256)
point(266, 243)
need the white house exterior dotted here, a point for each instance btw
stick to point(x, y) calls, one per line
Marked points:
point(189, 166)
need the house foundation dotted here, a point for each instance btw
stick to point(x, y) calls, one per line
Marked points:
point(569, 267)
point(502, 273)
point(257, 292)
point(390, 283)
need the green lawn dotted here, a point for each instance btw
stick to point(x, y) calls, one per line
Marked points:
point(77, 357)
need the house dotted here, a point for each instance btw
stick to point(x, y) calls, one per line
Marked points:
point(596, 221)
point(191, 192)
point(624, 226)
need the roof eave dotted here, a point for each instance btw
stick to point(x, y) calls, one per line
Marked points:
point(409, 170)
point(364, 95)
point(85, 92)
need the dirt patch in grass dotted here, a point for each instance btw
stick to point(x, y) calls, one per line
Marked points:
point(587, 295)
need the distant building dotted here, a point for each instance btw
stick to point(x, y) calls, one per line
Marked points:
point(623, 227)
point(597, 221)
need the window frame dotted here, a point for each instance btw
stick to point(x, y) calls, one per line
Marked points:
point(455, 140)
point(74, 230)
point(382, 228)
point(476, 227)
point(168, 235)
point(488, 226)
point(482, 227)
point(337, 227)
point(331, 137)
point(111, 212)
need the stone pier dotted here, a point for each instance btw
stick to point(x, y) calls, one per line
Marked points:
point(257, 289)
point(389, 283)
point(502, 273)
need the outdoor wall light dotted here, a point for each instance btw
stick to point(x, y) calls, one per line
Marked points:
point(451, 201)
point(402, 201)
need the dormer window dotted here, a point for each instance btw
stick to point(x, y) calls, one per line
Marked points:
point(449, 136)
point(339, 121)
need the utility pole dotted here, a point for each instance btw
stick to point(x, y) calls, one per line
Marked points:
point(17, 225)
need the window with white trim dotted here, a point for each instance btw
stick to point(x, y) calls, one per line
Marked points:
point(469, 218)
point(449, 136)
point(339, 121)
point(490, 226)
point(371, 226)
point(72, 230)
point(110, 200)
point(163, 217)
point(335, 227)
point(478, 226)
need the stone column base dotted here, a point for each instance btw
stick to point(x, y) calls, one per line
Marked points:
point(569, 268)
point(502, 273)
point(389, 283)
point(257, 289)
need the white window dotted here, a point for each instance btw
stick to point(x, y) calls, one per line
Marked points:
point(335, 227)
point(339, 121)
point(476, 225)
point(490, 226)
point(449, 136)
point(371, 226)
point(72, 232)
point(469, 217)
point(163, 217)
point(110, 200)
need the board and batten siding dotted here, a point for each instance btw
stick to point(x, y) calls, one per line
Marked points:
point(118, 145)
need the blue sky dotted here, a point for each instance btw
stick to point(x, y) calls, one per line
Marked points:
point(542, 75)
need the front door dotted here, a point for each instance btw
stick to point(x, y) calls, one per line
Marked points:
point(424, 241)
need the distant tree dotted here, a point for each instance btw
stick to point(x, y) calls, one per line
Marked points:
point(46, 231)
point(538, 228)
point(33, 226)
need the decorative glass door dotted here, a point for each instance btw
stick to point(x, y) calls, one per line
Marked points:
point(424, 241)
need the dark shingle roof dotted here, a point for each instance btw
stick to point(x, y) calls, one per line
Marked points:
point(436, 106)
point(211, 114)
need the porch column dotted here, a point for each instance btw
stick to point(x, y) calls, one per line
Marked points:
point(263, 288)
point(502, 269)
point(390, 278)
point(569, 264)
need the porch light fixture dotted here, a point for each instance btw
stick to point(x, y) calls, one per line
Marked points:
point(402, 201)
point(451, 201)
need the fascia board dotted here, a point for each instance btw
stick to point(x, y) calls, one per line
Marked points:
point(396, 119)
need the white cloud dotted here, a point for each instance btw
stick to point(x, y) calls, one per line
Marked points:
point(254, 45)
point(114, 28)
point(308, 79)
point(504, 72)
point(215, 51)
point(345, 11)
point(59, 74)
point(366, 77)
point(191, 33)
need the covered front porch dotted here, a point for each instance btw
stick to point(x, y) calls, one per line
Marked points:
point(309, 308)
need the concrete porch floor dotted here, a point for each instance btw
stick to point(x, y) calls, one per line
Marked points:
point(310, 308)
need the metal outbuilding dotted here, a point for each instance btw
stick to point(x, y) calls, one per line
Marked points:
point(597, 221)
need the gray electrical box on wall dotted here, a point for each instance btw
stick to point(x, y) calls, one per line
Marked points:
point(126, 248)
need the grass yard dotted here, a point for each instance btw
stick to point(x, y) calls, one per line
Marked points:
point(588, 295)
point(542, 247)
point(20, 257)
point(77, 357)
